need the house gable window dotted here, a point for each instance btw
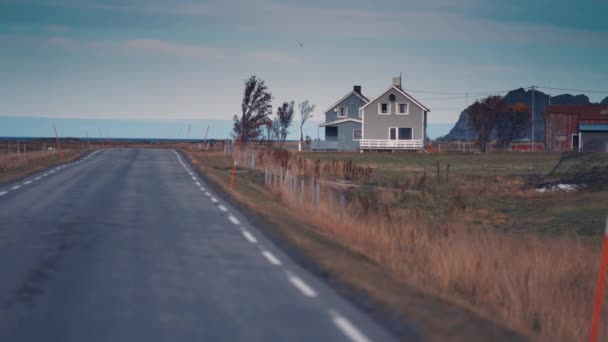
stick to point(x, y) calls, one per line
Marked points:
point(342, 112)
point(357, 134)
point(403, 108)
point(384, 108)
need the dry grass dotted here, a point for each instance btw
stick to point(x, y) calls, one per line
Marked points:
point(13, 165)
point(541, 286)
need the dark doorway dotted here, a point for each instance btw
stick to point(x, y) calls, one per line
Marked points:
point(574, 141)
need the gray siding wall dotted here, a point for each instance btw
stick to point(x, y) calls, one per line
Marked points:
point(353, 103)
point(345, 136)
point(595, 141)
point(375, 126)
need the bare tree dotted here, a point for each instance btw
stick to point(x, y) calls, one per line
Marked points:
point(276, 130)
point(306, 110)
point(483, 117)
point(284, 120)
point(255, 110)
point(269, 131)
point(511, 122)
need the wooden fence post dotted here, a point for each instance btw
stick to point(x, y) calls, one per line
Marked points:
point(330, 199)
point(302, 191)
point(599, 294)
point(342, 200)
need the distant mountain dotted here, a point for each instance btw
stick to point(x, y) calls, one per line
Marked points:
point(605, 101)
point(541, 100)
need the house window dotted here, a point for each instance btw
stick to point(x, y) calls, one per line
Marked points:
point(384, 108)
point(403, 108)
point(400, 133)
point(405, 133)
point(357, 134)
point(342, 112)
point(392, 133)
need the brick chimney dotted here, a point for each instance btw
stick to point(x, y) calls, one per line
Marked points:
point(357, 89)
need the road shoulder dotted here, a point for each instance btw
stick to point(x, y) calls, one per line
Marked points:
point(395, 305)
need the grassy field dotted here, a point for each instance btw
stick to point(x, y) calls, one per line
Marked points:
point(13, 165)
point(481, 238)
point(493, 188)
point(394, 167)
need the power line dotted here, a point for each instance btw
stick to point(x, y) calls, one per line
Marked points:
point(458, 93)
point(581, 90)
point(442, 98)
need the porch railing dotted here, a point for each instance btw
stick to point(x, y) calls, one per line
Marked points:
point(385, 144)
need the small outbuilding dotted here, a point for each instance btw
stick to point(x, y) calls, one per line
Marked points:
point(576, 127)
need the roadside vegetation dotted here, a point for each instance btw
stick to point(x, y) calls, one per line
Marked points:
point(14, 165)
point(471, 229)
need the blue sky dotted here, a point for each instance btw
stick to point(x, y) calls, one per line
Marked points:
point(182, 61)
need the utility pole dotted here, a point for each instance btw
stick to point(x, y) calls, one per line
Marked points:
point(533, 141)
point(187, 144)
point(58, 143)
point(466, 117)
point(206, 143)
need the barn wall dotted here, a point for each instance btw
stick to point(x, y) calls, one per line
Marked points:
point(559, 129)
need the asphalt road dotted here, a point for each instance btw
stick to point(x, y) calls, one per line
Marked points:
point(130, 245)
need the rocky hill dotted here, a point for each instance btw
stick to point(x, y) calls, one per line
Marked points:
point(541, 100)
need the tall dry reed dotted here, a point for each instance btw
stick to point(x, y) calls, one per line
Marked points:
point(542, 287)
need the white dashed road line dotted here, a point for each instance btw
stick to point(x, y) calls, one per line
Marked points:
point(28, 182)
point(15, 187)
point(249, 237)
point(37, 178)
point(233, 219)
point(341, 322)
point(301, 285)
point(271, 258)
point(2, 193)
point(347, 327)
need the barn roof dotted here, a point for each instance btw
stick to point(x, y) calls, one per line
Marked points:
point(585, 112)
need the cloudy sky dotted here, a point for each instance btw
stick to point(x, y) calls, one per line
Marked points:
point(187, 60)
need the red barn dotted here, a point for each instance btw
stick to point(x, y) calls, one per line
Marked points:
point(576, 127)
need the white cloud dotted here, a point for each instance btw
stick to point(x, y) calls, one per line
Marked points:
point(164, 47)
